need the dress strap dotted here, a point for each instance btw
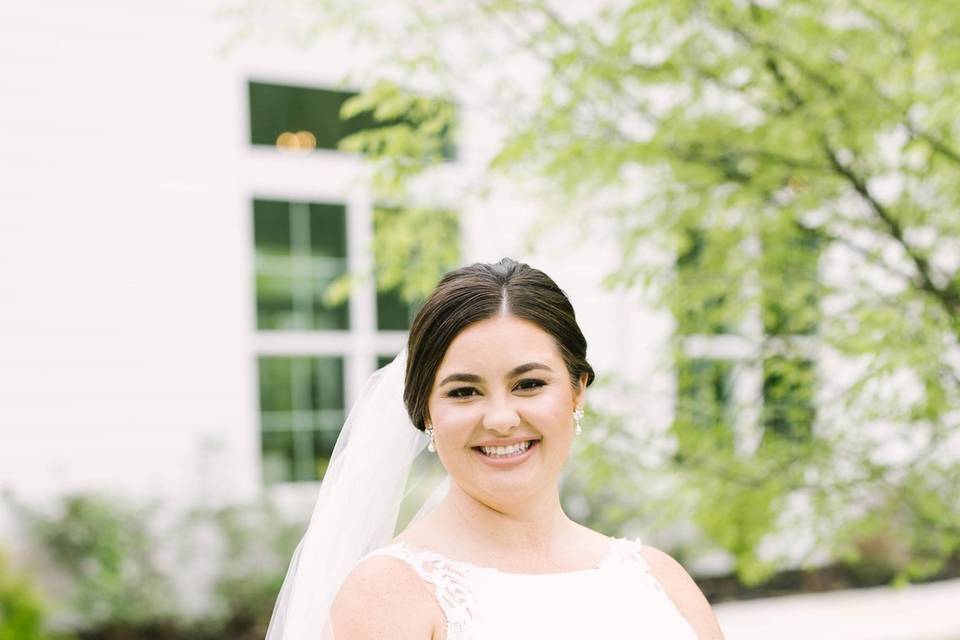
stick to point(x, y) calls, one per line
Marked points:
point(452, 583)
point(627, 553)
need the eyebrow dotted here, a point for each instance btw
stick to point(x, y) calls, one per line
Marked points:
point(516, 371)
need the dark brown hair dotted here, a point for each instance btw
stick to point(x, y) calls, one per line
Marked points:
point(478, 292)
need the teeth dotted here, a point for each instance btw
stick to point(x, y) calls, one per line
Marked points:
point(511, 450)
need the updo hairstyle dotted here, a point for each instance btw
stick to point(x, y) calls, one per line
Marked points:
point(478, 292)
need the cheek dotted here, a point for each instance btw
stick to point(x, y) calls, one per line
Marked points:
point(550, 410)
point(450, 416)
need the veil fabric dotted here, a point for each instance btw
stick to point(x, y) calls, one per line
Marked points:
point(357, 506)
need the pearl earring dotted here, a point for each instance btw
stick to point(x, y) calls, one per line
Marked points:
point(577, 417)
point(432, 445)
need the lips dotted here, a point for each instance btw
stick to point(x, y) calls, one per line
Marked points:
point(507, 455)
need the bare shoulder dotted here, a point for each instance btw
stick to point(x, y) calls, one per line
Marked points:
point(684, 593)
point(383, 597)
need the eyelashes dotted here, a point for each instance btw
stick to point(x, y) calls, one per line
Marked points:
point(461, 392)
point(527, 384)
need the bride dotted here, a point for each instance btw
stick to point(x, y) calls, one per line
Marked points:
point(494, 379)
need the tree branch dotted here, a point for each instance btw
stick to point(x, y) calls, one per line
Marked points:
point(947, 296)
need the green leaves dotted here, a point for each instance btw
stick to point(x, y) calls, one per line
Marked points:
point(414, 133)
point(21, 610)
point(413, 248)
point(109, 555)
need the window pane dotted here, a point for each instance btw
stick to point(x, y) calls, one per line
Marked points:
point(788, 408)
point(328, 233)
point(327, 387)
point(279, 113)
point(300, 251)
point(704, 406)
point(323, 443)
point(789, 280)
point(301, 413)
point(271, 226)
point(276, 385)
point(393, 313)
point(276, 109)
point(704, 303)
point(384, 360)
point(275, 308)
point(328, 252)
point(277, 456)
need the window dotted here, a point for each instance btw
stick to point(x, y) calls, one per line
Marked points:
point(704, 398)
point(276, 109)
point(301, 411)
point(301, 248)
point(314, 350)
point(709, 375)
point(308, 118)
point(788, 408)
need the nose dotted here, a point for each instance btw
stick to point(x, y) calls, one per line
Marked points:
point(500, 416)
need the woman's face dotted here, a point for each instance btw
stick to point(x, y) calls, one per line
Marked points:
point(502, 410)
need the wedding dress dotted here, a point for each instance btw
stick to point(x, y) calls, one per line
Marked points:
point(618, 599)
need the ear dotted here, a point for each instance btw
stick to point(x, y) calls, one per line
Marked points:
point(580, 392)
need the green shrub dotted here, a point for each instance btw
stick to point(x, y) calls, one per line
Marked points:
point(257, 544)
point(21, 610)
point(106, 550)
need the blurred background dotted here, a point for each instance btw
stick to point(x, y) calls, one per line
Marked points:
point(216, 219)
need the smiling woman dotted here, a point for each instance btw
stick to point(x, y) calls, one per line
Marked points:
point(495, 375)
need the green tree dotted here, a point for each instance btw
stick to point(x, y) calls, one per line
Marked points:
point(796, 160)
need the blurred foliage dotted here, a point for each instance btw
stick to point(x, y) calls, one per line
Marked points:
point(415, 132)
point(21, 610)
point(106, 550)
point(109, 551)
point(413, 247)
point(771, 171)
point(257, 544)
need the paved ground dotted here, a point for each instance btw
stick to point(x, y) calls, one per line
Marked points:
point(917, 612)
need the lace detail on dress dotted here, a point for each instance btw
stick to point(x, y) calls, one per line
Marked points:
point(628, 554)
point(452, 582)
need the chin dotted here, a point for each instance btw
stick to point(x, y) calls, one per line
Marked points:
point(508, 493)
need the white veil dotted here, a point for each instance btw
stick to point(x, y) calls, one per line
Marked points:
point(357, 507)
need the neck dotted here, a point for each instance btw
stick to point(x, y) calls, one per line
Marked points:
point(530, 528)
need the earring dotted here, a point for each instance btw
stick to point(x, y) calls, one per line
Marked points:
point(577, 417)
point(432, 445)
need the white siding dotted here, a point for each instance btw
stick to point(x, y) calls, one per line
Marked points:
point(125, 359)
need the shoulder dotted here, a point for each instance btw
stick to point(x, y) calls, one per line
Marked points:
point(684, 593)
point(383, 597)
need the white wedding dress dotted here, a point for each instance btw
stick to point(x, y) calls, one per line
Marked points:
point(618, 599)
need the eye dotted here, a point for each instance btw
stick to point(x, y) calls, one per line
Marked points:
point(529, 384)
point(462, 392)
